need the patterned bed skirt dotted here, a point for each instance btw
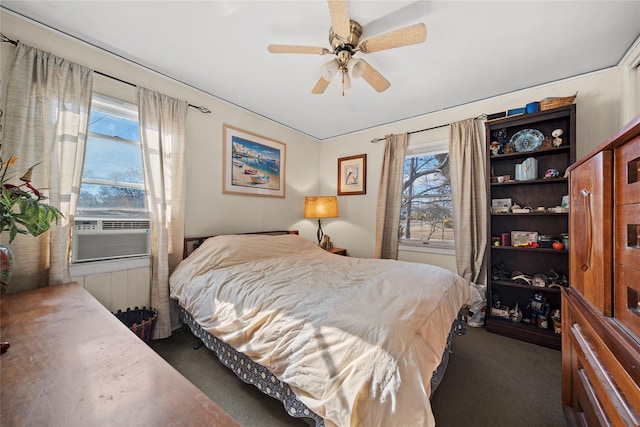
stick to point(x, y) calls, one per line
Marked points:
point(253, 373)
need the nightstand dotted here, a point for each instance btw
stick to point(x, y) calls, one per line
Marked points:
point(337, 251)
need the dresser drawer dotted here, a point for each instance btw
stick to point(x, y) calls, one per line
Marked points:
point(627, 304)
point(588, 408)
point(627, 235)
point(600, 361)
point(627, 173)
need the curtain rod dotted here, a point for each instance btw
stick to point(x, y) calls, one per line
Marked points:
point(197, 107)
point(5, 39)
point(376, 140)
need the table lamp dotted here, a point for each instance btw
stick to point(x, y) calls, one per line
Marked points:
point(320, 207)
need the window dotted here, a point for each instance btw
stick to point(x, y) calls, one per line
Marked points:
point(112, 178)
point(426, 215)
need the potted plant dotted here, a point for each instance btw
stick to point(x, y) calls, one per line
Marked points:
point(22, 211)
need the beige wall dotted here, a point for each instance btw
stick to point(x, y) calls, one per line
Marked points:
point(599, 114)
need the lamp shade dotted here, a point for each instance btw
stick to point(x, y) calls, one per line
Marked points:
point(328, 70)
point(321, 207)
point(356, 67)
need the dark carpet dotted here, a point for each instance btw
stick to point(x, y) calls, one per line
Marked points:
point(491, 380)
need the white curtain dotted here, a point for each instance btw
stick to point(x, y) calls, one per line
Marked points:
point(162, 133)
point(47, 114)
point(467, 173)
point(390, 196)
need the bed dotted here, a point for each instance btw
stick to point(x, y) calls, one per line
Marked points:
point(339, 340)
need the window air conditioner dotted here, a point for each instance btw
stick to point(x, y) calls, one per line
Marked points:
point(98, 239)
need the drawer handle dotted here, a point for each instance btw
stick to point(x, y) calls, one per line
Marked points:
point(586, 200)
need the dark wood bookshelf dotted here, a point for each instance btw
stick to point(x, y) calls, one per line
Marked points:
point(534, 193)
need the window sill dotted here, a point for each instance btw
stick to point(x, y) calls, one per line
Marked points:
point(426, 249)
point(108, 266)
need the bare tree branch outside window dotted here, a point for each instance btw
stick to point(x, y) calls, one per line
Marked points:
point(427, 211)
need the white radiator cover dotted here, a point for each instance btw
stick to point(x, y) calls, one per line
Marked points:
point(117, 284)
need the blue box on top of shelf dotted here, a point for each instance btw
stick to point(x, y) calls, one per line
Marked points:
point(532, 107)
point(515, 111)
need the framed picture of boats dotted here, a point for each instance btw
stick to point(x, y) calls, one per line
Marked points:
point(352, 175)
point(252, 164)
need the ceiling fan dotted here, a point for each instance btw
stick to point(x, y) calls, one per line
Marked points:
point(344, 38)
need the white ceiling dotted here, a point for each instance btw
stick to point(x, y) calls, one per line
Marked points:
point(474, 50)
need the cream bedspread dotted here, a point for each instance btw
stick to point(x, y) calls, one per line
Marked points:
point(356, 339)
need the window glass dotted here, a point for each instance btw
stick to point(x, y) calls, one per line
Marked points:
point(426, 215)
point(112, 177)
point(105, 123)
point(95, 198)
point(113, 161)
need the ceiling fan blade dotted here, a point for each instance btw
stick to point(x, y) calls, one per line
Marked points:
point(285, 48)
point(374, 78)
point(412, 34)
point(320, 86)
point(339, 11)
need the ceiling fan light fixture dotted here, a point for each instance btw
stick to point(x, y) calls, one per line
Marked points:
point(329, 70)
point(356, 67)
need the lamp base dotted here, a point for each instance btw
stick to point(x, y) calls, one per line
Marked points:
point(319, 233)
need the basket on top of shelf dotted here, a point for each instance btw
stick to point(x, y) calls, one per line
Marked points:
point(141, 322)
point(549, 103)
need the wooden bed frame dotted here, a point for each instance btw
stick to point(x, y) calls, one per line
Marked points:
point(192, 243)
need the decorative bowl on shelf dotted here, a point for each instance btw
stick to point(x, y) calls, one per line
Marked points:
point(527, 140)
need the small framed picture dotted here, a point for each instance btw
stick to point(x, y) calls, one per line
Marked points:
point(523, 238)
point(352, 175)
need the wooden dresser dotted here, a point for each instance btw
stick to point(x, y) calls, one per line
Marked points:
point(601, 308)
point(73, 363)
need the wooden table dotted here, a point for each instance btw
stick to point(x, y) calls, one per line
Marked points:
point(73, 363)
